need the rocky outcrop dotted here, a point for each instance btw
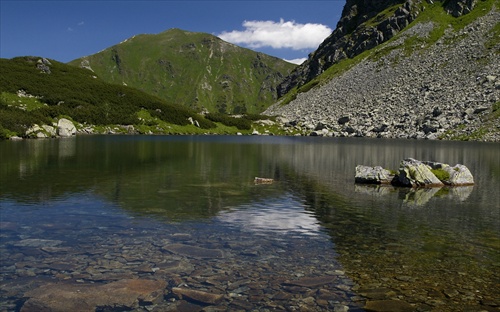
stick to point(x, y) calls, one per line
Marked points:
point(43, 65)
point(415, 173)
point(364, 25)
point(62, 128)
point(460, 7)
point(424, 91)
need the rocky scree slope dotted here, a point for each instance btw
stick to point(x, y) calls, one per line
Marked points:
point(364, 25)
point(412, 86)
point(195, 70)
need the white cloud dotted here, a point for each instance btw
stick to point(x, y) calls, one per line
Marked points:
point(297, 61)
point(81, 23)
point(278, 35)
point(69, 29)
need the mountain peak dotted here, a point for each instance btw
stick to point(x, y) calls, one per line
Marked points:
point(197, 70)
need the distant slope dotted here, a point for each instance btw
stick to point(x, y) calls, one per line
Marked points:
point(195, 70)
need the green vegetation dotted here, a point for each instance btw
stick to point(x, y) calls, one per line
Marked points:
point(195, 70)
point(441, 174)
point(240, 123)
point(30, 97)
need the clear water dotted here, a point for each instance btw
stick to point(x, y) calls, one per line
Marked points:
point(98, 209)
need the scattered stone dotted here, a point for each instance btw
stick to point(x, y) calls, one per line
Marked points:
point(193, 251)
point(311, 281)
point(196, 295)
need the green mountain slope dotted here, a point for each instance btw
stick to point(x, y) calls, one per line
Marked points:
point(37, 91)
point(196, 70)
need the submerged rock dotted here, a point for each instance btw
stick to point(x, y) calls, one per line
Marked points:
point(124, 295)
point(197, 295)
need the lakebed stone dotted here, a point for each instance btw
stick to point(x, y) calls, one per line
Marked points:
point(193, 251)
point(123, 294)
point(197, 295)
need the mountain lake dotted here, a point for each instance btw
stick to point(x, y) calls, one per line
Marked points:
point(177, 223)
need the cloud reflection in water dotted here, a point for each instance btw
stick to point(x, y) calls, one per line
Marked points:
point(284, 215)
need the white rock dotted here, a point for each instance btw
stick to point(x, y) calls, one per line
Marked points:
point(65, 128)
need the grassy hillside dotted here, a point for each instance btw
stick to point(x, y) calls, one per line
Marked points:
point(38, 91)
point(195, 70)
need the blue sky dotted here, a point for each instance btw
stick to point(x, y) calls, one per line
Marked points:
point(66, 30)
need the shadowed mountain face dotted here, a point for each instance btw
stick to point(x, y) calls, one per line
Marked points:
point(196, 70)
point(364, 25)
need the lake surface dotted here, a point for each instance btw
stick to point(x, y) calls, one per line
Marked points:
point(181, 219)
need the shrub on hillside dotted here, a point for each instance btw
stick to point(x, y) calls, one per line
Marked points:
point(240, 123)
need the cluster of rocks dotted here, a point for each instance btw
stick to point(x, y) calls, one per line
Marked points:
point(62, 128)
point(43, 65)
point(424, 180)
point(415, 173)
point(447, 87)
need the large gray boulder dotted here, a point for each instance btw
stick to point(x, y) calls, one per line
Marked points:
point(459, 175)
point(372, 175)
point(65, 128)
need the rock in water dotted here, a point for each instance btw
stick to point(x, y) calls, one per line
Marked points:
point(459, 175)
point(372, 175)
point(414, 173)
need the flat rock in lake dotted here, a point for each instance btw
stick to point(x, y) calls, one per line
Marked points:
point(193, 251)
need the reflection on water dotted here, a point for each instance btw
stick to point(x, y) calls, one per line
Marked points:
point(283, 215)
point(95, 212)
point(417, 197)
